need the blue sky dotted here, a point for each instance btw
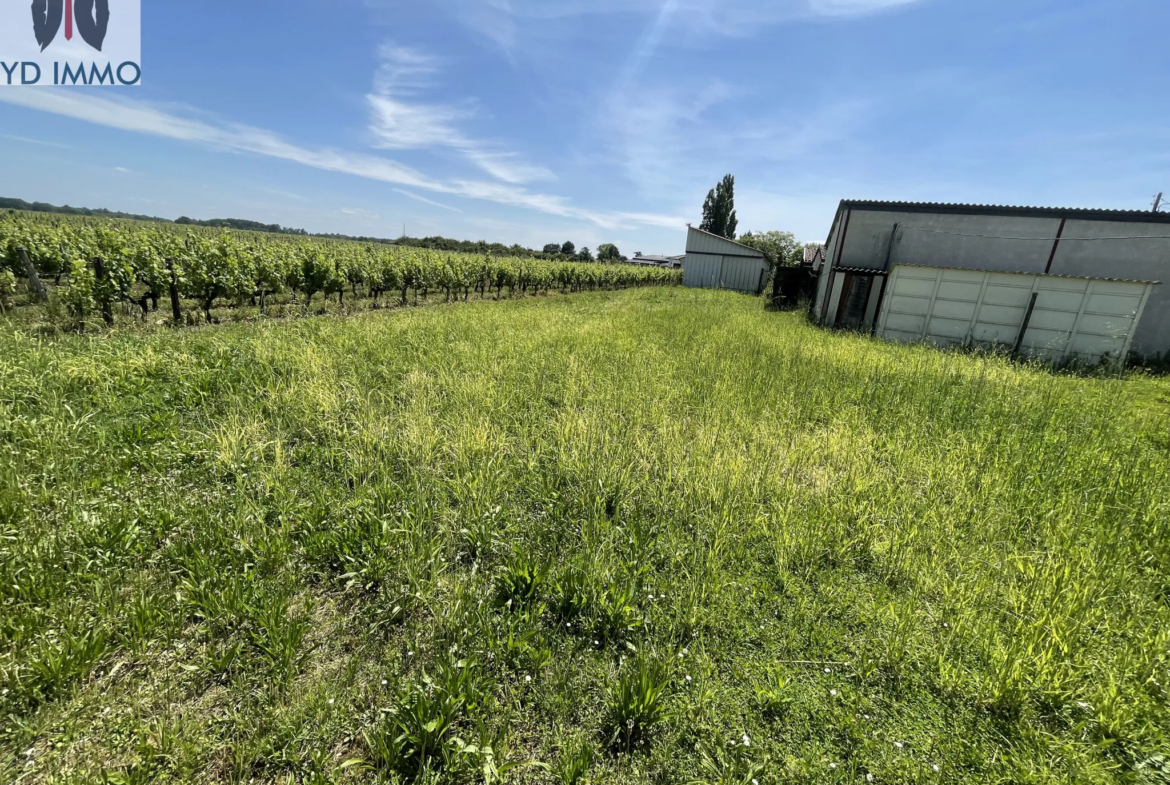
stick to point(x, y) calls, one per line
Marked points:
point(536, 121)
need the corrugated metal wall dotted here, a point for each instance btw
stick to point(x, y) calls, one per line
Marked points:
point(709, 271)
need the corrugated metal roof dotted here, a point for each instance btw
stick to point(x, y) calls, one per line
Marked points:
point(871, 270)
point(1089, 214)
point(749, 250)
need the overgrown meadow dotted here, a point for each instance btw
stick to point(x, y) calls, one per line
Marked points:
point(645, 536)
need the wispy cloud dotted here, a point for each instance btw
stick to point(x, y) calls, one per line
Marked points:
point(425, 200)
point(504, 22)
point(399, 121)
point(122, 169)
point(40, 142)
point(141, 117)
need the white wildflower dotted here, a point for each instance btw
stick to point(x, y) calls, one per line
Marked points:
point(746, 741)
point(832, 765)
point(688, 679)
point(869, 778)
point(331, 701)
point(30, 752)
point(934, 768)
point(828, 670)
point(898, 744)
point(384, 682)
point(527, 678)
point(833, 693)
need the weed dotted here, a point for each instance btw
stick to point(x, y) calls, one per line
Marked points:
point(573, 766)
point(774, 694)
point(637, 703)
point(520, 580)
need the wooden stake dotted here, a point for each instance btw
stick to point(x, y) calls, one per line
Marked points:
point(35, 287)
point(176, 312)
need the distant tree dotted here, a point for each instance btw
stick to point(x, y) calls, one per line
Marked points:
point(719, 210)
point(568, 249)
point(780, 248)
point(585, 255)
point(637, 254)
point(608, 252)
point(552, 248)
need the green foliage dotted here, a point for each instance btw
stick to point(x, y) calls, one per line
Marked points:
point(419, 733)
point(7, 288)
point(719, 210)
point(637, 703)
point(79, 296)
point(608, 252)
point(573, 766)
point(780, 248)
point(568, 249)
point(774, 694)
point(520, 579)
point(728, 763)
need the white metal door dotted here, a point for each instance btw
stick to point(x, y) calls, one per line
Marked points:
point(1087, 320)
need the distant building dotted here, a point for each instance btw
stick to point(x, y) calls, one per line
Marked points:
point(650, 260)
point(1056, 284)
point(814, 258)
point(673, 262)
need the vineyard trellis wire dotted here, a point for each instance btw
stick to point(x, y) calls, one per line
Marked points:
point(97, 263)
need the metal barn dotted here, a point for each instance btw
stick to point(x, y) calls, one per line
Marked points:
point(1062, 285)
point(714, 262)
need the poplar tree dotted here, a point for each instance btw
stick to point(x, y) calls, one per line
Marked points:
point(719, 210)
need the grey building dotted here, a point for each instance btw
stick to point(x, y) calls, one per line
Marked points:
point(714, 262)
point(1056, 283)
point(650, 260)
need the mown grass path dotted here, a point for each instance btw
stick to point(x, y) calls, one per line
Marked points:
point(620, 534)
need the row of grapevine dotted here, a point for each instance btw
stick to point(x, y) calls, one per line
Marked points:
point(98, 263)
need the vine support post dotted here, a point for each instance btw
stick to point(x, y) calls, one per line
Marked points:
point(176, 312)
point(99, 268)
point(35, 287)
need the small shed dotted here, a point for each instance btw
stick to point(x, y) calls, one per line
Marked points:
point(714, 262)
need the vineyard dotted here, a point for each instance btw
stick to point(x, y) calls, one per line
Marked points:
point(108, 268)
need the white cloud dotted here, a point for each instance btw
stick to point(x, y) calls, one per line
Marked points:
point(398, 122)
point(425, 200)
point(142, 117)
point(122, 169)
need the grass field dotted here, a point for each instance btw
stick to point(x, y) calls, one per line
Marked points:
point(649, 536)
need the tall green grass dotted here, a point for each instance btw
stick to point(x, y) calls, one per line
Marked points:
point(655, 535)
